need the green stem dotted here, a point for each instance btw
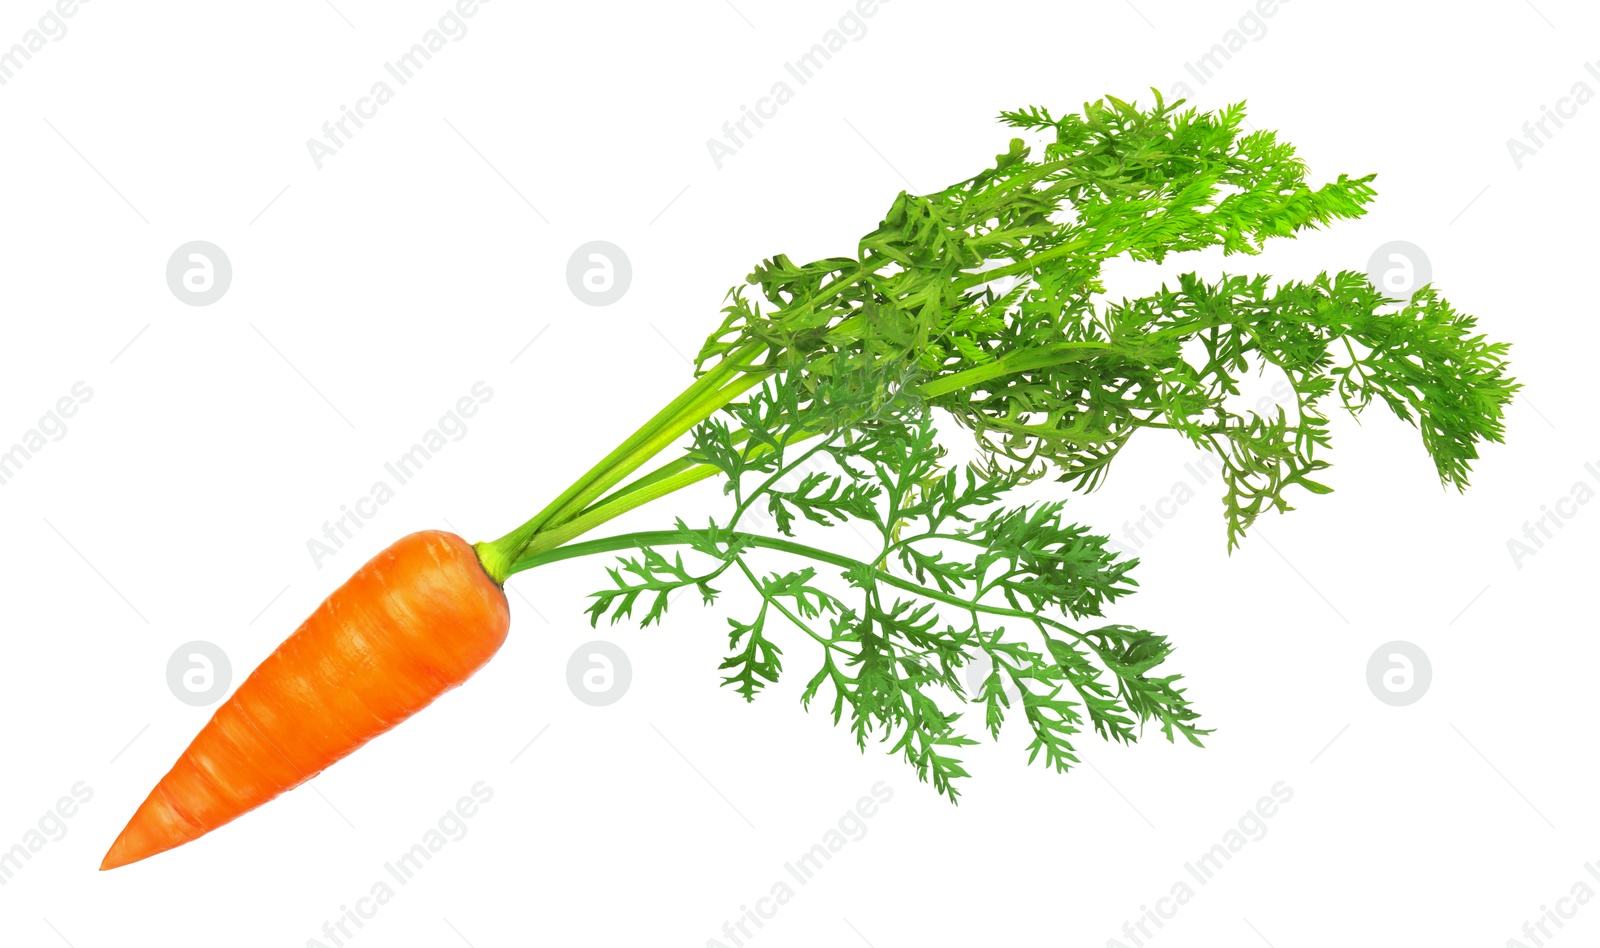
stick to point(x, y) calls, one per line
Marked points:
point(729, 379)
point(1023, 360)
point(553, 537)
point(659, 483)
point(1026, 265)
point(671, 469)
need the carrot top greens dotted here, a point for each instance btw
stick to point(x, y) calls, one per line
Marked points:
point(815, 401)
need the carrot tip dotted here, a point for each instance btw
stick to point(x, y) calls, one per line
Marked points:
point(135, 843)
point(117, 855)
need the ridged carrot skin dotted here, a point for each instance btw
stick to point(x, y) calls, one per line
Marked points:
point(414, 622)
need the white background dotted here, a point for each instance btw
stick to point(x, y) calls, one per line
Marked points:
point(372, 293)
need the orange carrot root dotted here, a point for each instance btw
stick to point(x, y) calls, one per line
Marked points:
point(414, 622)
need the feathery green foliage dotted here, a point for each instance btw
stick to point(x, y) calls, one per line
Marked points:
point(816, 400)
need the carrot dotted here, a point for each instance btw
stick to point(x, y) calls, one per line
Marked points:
point(414, 622)
point(813, 402)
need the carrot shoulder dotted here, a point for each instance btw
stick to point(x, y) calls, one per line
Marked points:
point(414, 622)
